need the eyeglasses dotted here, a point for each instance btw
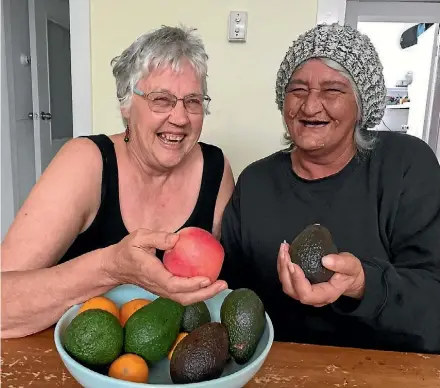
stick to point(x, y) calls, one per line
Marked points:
point(163, 102)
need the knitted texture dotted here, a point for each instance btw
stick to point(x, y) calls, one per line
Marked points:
point(352, 50)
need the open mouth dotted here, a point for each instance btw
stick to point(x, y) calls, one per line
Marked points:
point(314, 123)
point(170, 138)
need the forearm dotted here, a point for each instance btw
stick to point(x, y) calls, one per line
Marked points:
point(34, 300)
point(402, 303)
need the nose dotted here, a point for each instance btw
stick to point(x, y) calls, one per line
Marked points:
point(179, 115)
point(312, 103)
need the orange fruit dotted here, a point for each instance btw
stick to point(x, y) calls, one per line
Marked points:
point(179, 338)
point(129, 308)
point(101, 303)
point(129, 367)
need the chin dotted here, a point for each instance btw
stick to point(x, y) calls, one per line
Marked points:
point(170, 160)
point(171, 157)
point(308, 144)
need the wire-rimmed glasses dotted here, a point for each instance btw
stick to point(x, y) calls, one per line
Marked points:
point(163, 102)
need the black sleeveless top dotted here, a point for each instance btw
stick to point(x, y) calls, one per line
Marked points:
point(108, 227)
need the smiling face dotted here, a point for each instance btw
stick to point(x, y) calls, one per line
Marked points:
point(164, 139)
point(320, 108)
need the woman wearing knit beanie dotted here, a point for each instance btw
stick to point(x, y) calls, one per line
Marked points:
point(377, 193)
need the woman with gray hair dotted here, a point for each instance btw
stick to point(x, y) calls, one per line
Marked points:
point(377, 193)
point(106, 204)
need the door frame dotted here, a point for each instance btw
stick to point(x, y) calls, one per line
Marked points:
point(79, 14)
point(81, 67)
point(407, 12)
point(9, 133)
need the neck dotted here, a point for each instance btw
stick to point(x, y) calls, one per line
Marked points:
point(146, 171)
point(310, 165)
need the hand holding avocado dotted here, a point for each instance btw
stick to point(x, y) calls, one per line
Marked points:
point(313, 272)
point(134, 262)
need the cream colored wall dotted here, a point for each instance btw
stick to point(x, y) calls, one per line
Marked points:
point(244, 120)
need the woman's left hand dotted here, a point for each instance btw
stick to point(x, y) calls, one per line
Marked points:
point(348, 279)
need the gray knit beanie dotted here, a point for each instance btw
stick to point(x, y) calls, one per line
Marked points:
point(353, 51)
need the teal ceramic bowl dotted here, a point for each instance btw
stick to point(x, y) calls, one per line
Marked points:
point(234, 375)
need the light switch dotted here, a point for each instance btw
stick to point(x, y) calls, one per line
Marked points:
point(237, 26)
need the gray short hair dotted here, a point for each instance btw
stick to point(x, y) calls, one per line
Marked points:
point(161, 47)
point(363, 140)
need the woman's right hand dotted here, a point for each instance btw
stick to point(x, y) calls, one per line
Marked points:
point(133, 261)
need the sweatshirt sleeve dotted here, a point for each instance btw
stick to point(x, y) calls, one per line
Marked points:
point(234, 264)
point(402, 293)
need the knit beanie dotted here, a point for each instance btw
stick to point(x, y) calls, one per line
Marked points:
point(350, 49)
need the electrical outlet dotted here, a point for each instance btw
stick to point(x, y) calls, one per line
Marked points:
point(404, 127)
point(237, 26)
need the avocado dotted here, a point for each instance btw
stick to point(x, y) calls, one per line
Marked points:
point(242, 313)
point(194, 316)
point(201, 355)
point(308, 249)
point(94, 338)
point(151, 331)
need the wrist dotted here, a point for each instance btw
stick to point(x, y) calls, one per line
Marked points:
point(108, 271)
point(357, 289)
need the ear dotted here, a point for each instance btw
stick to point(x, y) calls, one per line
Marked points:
point(125, 112)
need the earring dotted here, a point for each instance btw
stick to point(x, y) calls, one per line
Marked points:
point(127, 133)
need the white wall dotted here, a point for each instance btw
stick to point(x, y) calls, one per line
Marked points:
point(394, 11)
point(386, 39)
point(419, 89)
point(396, 62)
point(245, 121)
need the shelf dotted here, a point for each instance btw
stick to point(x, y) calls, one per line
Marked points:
point(405, 105)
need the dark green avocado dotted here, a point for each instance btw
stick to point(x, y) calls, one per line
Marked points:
point(242, 312)
point(308, 249)
point(201, 355)
point(194, 316)
point(151, 331)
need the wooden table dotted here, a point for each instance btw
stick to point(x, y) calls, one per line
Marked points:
point(33, 361)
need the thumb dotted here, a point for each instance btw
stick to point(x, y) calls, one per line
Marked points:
point(344, 263)
point(157, 240)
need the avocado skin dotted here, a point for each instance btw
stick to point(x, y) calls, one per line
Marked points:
point(151, 331)
point(94, 338)
point(308, 249)
point(194, 316)
point(242, 312)
point(201, 355)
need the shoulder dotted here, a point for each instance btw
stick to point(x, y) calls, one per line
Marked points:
point(213, 156)
point(409, 163)
point(406, 150)
point(218, 164)
point(265, 168)
point(83, 151)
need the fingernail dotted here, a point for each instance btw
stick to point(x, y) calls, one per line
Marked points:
point(205, 283)
point(171, 237)
point(327, 261)
point(291, 268)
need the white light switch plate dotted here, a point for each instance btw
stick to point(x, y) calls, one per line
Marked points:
point(237, 29)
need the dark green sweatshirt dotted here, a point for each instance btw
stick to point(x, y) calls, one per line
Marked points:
point(383, 207)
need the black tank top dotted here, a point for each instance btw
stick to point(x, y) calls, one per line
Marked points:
point(108, 227)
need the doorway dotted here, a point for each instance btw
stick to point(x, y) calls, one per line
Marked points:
point(406, 36)
point(39, 87)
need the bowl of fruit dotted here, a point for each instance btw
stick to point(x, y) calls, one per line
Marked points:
point(130, 337)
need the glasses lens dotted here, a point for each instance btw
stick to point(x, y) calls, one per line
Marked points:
point(196, 103)
point(160, 101)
